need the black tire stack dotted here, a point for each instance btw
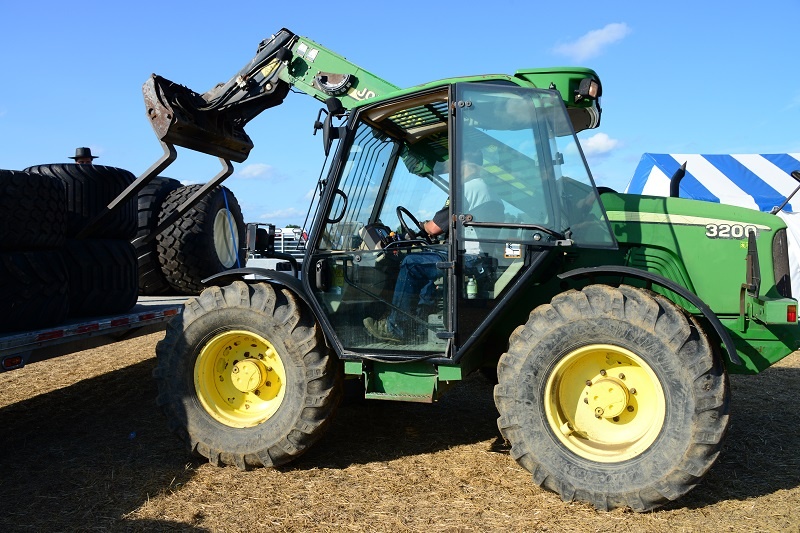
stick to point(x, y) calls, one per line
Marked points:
point(207, 240)
point(48, 273)
point(33, 273)
point(101, 268)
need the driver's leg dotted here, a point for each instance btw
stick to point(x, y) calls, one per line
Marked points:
point(416, 271)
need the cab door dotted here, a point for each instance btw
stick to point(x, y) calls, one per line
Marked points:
point(522, 190)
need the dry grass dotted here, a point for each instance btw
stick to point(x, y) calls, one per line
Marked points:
point(85, 448)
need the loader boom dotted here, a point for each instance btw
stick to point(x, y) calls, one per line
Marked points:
point(213, 122)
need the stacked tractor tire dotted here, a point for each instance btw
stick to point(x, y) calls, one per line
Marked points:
point(50, 273)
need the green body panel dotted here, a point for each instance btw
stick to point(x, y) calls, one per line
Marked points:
point(670, 236)
point(410, 382)
point(761, 346)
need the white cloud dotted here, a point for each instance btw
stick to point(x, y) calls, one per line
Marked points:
point(592, 43)
point(255, 170)
point(599, 144)
point(286, 213)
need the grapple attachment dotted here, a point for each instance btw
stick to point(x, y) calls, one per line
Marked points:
point(177, 117)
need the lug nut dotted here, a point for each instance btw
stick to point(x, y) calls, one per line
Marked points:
point(615, 419)
point(602, 372)
point(588, 382)
point(633, 390)
point(586, 400)
point(621, 375)
point(630, 408)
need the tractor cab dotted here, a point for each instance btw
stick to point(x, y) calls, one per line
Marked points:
point(501, 166)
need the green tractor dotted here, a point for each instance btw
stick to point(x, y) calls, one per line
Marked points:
point(611, 321)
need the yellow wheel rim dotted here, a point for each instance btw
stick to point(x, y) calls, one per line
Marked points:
point(240, 379)
point(604, 403)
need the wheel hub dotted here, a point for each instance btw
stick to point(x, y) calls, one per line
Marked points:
point(248, 375)
point(609, 397)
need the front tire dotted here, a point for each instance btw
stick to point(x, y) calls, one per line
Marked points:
point(245, 377)
point(613, 396)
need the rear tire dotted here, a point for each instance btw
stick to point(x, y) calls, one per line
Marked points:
point(613, 396)
point(245, 377)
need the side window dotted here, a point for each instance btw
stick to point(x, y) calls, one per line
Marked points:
point(360, 186)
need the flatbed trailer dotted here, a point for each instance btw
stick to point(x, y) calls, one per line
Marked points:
point(149, 315)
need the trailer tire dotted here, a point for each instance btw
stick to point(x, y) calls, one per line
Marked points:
point(640, 433)
point(33, 211)
point(34, 290)
point(90, 188)
point(103, 277)
point(151, 279)
point(245, 377)
point(199, 244)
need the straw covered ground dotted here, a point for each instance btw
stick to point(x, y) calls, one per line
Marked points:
point(84, 447)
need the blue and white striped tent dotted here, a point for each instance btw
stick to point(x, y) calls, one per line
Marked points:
point(757, 181)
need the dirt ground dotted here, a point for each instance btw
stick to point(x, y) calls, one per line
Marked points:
point(84, 448)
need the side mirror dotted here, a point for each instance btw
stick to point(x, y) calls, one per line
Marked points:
point(329, 132)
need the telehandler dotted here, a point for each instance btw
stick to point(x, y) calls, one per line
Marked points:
point(611, 320)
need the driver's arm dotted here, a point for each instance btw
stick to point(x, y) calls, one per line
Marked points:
point(431, 228)
point(438, 224)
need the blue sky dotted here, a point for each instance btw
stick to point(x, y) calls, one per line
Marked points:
point(681, 77)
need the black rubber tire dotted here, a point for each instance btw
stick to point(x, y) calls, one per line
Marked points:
point(33, 211)
point(103, 277)
point(34, 289)
point(90, 188)
point(187, 250)
point(695, 393)
point(151, 279)
point(313, 381)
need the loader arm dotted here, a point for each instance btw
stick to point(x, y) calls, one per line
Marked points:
point(213, 122)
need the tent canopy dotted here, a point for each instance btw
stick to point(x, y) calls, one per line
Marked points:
point(756, 181)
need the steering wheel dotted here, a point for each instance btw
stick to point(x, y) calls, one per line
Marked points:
point(414, 234)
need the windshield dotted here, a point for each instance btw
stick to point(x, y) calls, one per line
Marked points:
point(530, 160)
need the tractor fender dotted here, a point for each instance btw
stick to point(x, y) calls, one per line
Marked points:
point(667, 283)
point(272, 276)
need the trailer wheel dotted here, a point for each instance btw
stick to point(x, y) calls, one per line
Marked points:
point(103, 277)
point(151, 279)
point(90, 188)
point(207, 240)
point(33, 211)
point(245, 377)
point(33, 290)
point(613, 396)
